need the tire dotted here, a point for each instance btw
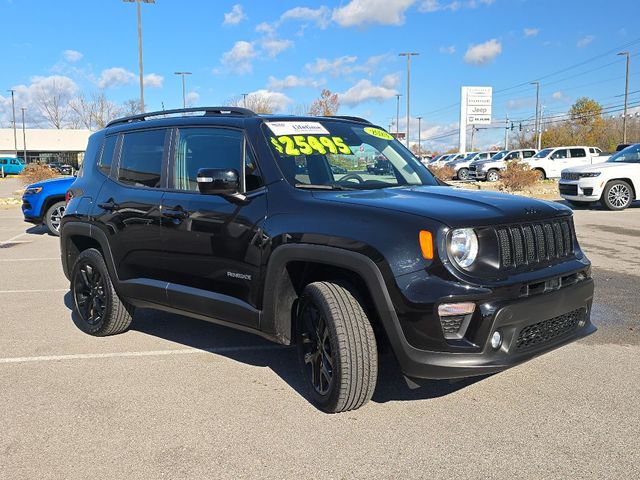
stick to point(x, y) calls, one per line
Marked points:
point(577, 204)
point(53, 216)
point(463, 174)
point(336, 348)
point(617, 195)
point(98, 309)
point(541, 174)
point(493, 176)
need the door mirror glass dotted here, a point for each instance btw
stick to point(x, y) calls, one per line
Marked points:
point(218, 181)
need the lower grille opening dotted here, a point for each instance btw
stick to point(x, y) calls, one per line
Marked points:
point(548, 330)
point(451, 325)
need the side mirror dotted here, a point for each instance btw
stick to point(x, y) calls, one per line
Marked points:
point(218, 181)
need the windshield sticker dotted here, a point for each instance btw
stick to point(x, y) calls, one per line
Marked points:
point(376, 132)
point(309, 144)
point(296, 128)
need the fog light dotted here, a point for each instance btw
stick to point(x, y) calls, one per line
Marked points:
point(496, 340)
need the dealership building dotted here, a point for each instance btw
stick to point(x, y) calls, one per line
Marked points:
point(44, 145)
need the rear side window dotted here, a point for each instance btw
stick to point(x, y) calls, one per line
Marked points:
point(3, 161)
point(578, 153)
point(107, 154)
point(560, 154)
point(528, 153)
point(141, 158)
point(592, 150)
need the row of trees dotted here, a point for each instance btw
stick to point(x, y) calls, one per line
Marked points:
point(326, 104)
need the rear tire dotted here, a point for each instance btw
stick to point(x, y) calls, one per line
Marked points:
point(98, 309)
point(617, 195)
point(541, 174)
point(53, 217)
point(336, 348)
point(493, 176)
point(463, 174)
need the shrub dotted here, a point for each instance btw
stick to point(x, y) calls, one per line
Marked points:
point(443, 172)
point(35, 172)
point(518, 176)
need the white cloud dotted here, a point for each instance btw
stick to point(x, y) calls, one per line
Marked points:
point(584, 41)
point(362, 12)
point(192, 98)
point(266, 28)
point(273, 46)
point(235, 16)
point(430, 6)
point(450, 50)
point(153, 80)
point(292, 81)
point(278, 100)
point(72, 55)
point(239, 58)
point(115, 77)
point(320, 16)
point(531, 32)
point(483, 53)
point(557, 95)
point(364, 91)
point(336, 67)
point(391, 80)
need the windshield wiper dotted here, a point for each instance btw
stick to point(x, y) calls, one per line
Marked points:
point(312, 186)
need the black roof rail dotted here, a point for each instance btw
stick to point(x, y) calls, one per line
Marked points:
point(347, 117)
point(208, 111)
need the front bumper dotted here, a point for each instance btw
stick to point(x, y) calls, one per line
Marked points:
point(511, 318)
point(29, 212)
point(585, 189)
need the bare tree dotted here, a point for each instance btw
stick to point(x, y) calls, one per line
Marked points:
point(131, 107)
point(53, 101)
point(254, 102)
point(94, 113)
point(326, 105)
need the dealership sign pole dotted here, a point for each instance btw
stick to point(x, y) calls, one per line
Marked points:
point(475, 109)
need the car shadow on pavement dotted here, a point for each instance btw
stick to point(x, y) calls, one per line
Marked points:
point(594, 205)
point(38, 230)
point(252, 350)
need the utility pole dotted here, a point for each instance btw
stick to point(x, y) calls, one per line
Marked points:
point(140, 48)
point(408, 55)
point(398, 115)
point(506, 132)
point(537, 125)
point(419, 138)
point(184, 90)
point(13, 107)
point(24, 138)
point(540, 127)
point(473, 135)
point(626, 95)
point(244, 99)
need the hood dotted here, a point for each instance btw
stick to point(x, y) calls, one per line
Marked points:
point(452, 206)
point(41, 183)
point(597, 167)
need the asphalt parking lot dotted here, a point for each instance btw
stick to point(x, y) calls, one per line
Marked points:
point(179, 398)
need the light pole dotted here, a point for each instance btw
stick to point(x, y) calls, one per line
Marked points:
point(244, 99)
point(140, 48)
point(419, 137)
point(13, 107)
point(184, 91)
point(408, 55)
point(398, 115)
point(626, 95)
point(506, 132)
point(537, 125)
point(24, 138)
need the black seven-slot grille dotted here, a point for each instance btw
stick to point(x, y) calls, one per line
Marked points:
point(542, 332)
point(534, 243)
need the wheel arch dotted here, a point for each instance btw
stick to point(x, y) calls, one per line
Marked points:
point(75, 237)
point(627, 180)
point(50, 200)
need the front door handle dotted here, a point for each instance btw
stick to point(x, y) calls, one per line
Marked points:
point(176, 214)
point(109, 205)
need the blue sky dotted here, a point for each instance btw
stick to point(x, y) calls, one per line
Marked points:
point(290, 49)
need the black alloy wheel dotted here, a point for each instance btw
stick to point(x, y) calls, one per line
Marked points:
point(89, 293)
point(316, 346)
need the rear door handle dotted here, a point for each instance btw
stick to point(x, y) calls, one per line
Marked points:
point(109, 205)
point(176, 214)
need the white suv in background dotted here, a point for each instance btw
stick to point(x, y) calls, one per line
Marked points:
point(551, 161)
point(490, 169)
point(615, 183)
point(461, 166)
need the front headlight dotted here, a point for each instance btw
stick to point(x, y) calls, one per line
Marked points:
point(32, 190)
point(589, 174)
point(463, 246)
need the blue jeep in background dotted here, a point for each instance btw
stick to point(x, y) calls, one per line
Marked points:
point(10, 166)
point(43, 203)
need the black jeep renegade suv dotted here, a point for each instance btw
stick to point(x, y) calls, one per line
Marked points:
point(242, 220)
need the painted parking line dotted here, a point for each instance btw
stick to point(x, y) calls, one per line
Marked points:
point(13, 239)
point(36, 290)
point(28, 259)
point(148, 353)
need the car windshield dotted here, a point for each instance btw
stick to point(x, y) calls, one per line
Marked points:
point(628, 155)
point(471, 156)
point(500, 155)
point(308, 153)
point(543, 153)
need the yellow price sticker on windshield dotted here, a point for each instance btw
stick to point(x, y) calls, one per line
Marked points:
point(378, 133)
point(309, 144)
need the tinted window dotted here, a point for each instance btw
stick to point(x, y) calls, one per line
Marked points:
point(592, 150)
point(14, 162)
point(3, 161)
point(107, 154)
point(198, 148)
point(141, 158)
point(543, 153)
point(628, 155)
point(578, 153)
point(512, 156)
point(528, 153)
point(560, 154)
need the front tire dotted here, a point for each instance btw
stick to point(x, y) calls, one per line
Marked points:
point(617, 195)
point(463, 174)
point(98, 309)
point(541, 174)
point(493, 176)
point(336, 348)
point(53, 217)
